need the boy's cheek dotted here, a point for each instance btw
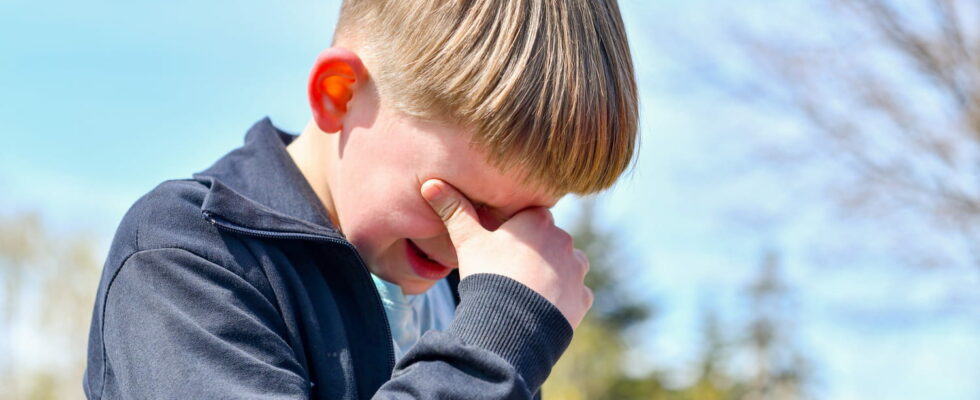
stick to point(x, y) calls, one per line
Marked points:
point(427, 228)
point(392, 224)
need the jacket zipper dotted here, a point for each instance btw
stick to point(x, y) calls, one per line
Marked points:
point(220, 223)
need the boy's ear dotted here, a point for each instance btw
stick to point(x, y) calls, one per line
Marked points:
point(333, 81)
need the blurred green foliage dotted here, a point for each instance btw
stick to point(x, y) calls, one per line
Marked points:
point(596, 367)
point(49, 282)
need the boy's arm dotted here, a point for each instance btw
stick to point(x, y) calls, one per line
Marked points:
point(501, 345)
point(179, 326)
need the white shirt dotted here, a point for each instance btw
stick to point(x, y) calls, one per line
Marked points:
point(409, 316)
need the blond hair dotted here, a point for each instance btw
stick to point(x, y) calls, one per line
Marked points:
point(545, 84)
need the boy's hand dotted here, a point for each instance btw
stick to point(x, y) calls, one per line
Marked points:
point(528, 248)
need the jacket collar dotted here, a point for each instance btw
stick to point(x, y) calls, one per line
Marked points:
point(258, 187)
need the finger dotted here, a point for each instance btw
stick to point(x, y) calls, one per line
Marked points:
point(453, 208)
point(583, 260)
point(540, 215)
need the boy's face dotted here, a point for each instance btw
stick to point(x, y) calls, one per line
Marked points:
point(382, 158)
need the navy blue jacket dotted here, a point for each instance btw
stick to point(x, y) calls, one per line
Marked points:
point(233, 284)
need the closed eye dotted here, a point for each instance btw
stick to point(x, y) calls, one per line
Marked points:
point(487, 218)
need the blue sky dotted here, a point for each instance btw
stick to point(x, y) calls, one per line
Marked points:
point(102, 100)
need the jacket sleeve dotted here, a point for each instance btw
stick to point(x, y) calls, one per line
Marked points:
point(179, 326)
point(176, 325)
point(501, 344)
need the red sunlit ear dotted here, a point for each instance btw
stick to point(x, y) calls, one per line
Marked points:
point(333, 82)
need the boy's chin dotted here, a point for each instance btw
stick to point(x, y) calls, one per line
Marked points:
point(410, 285)
point(415, 286)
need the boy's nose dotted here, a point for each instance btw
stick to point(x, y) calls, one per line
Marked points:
point(440, 249)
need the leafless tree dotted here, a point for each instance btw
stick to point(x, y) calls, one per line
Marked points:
point(886, 95)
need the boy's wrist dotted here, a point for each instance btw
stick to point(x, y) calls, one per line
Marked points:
point(511, 320)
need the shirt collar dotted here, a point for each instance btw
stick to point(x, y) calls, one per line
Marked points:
point(258, 187)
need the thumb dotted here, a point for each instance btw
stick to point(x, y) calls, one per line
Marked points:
point(454, 209)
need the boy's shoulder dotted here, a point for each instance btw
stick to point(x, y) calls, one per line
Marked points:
point(251, 187)
point(168, 263)
point(168, 217)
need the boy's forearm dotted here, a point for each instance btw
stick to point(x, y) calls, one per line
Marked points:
point(502, 344)
point(511, 320)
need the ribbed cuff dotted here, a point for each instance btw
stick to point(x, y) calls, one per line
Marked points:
point(511, 320)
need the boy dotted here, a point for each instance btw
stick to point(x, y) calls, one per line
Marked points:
point(416, 201)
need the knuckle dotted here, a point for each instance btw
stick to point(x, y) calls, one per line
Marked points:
point(538, 215)
point(521, 217)
point(546, 216)
point(564, 239)
point(586, 265)
point(581, 262)
point(541, 211)
point(449, 210)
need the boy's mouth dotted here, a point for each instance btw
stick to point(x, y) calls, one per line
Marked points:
point(423, 265)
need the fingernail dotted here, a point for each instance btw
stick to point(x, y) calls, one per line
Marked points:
point(431, 189)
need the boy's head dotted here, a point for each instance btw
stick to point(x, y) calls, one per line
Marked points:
point(513, 102)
